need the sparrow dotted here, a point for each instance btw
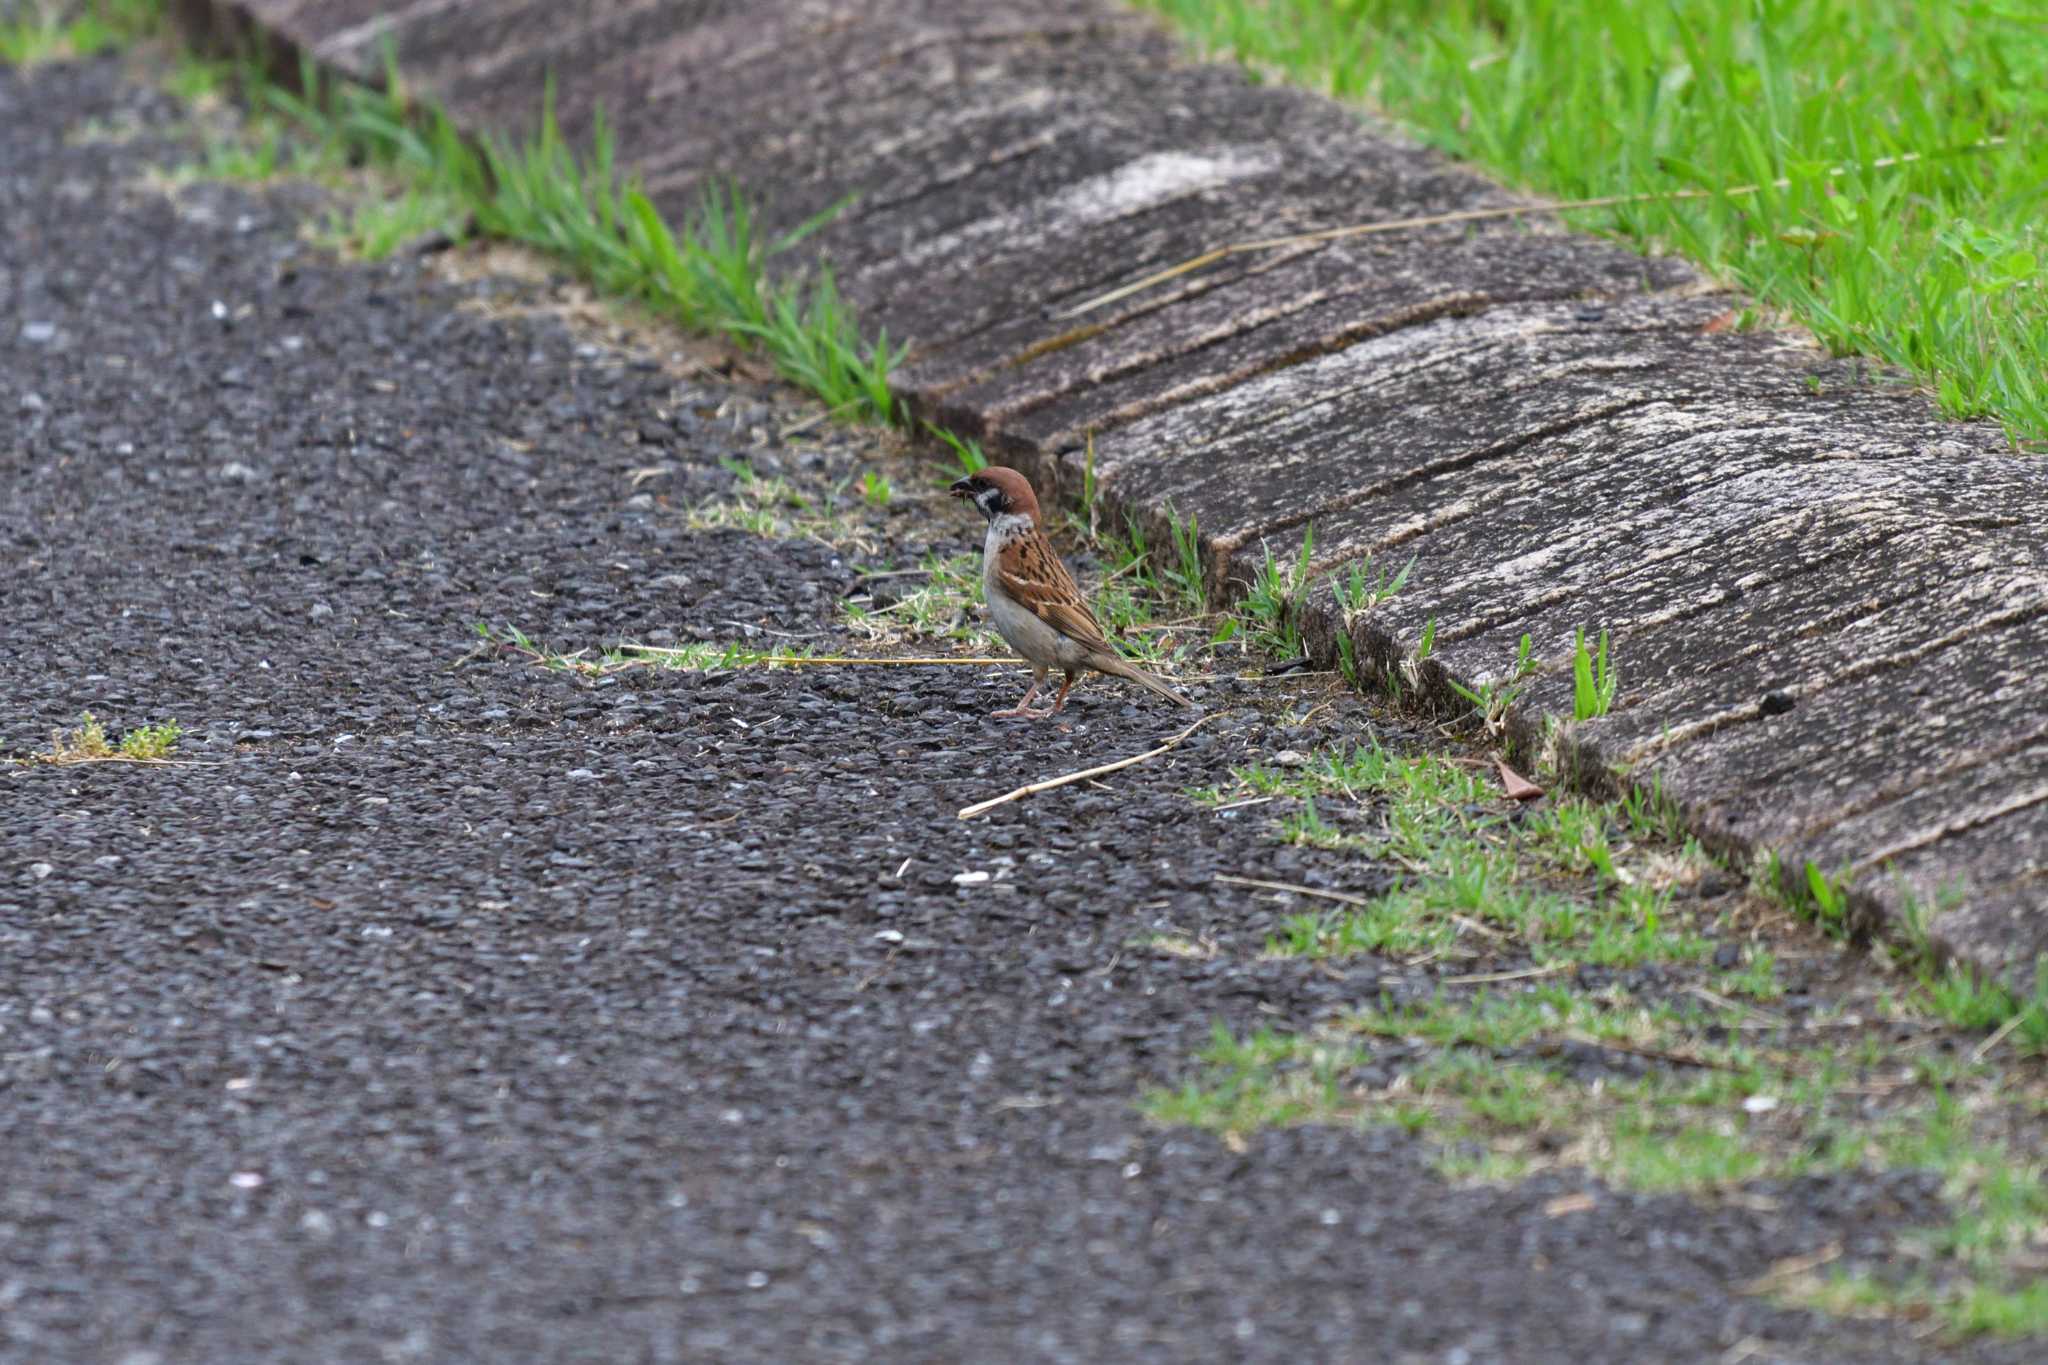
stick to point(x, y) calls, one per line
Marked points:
point(1032, 598)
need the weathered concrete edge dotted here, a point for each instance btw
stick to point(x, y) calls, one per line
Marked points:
point(1876, 903)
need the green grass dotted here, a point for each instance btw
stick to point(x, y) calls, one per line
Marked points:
point(966, 453)
point(2017, 1312)
point(1144, 598)
point(1666, 1080)
point(1569, 881)
point(1932, 263)
point(1366, 585)
point(1182, 575)
point(2001, 1203)
point(377, 225)
point(939, 608)
point(1593, 678)
point(714, 272)
point(196, 78)
point(1471, 873)
point(265, 152)
point(1955, 993)
point(772, 506)
point(1363, 587)
point(87, 742)
point(1654, 1086)
point(1971, 1002)
point(38, 31)
point(1272, 601)
point(1969, 1309)
point(697, 658)
point(1499, 1084)
point(1482, 1076)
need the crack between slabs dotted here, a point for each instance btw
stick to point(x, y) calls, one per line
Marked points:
point(664, 174)
point(1464, 304)
point(1376, 381)
point(999, 35)
point(1226, 546)
point(1481, 625)
point(937, 394)
point(869, 276)
point(1244, 324)
point(865, 209)
point(1240, 325)
point(333, 48)
point(1696, 609)
point(1862, 668)
point(492, 63)
point(1251, 424)
point(1963, 824)
point(1454, 305)
point(1891, 793)
point(1198, 288)
point(1074, 336)
point(762, 51)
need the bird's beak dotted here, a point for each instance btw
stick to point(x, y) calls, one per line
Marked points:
point(962, 489)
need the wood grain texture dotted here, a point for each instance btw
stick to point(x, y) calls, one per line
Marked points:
point(1828, 607)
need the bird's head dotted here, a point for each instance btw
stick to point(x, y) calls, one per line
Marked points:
point(998, 491)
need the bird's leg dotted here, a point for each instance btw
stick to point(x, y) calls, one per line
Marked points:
point(1023, 708)
point(1061, 700)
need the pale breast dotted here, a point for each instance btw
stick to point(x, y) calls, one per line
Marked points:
point(1027, 634)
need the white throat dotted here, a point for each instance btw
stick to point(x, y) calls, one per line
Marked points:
point(1004, 531)
point(1007, 527)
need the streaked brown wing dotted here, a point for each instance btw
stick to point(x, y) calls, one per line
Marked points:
point(1042, 585)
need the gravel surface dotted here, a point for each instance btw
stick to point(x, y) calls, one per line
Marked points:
point(446, 1008)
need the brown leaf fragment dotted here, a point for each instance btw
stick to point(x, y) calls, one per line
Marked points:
point(1517, 787)
point(1791, 1268)
point(1569, 1203)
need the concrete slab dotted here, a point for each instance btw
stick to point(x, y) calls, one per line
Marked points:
point(1829, 608)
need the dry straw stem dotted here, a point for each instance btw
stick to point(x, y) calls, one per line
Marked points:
point(969, 812)
point(1651, 1053)
point(1983, 1049)
point(1792, 1268)
point(1344, 897)
point(1472, 216)
point(793, 659)
point(1488, 978)
point(65, 760)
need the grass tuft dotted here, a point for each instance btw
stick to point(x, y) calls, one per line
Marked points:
point(88, 743)
point(1908, 224)
point(1648, 1096)
point(38, 31)
point(713, 272)
point(620, 658)
point(1972, 1002)
point(377, 225)
point(1593, 678)
point(1272, 602)
point(966, 453)
point(1184, 575)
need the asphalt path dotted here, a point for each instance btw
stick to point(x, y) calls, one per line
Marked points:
point(440, 1007)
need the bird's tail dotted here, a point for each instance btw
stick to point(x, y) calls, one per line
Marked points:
point(1116, 665)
